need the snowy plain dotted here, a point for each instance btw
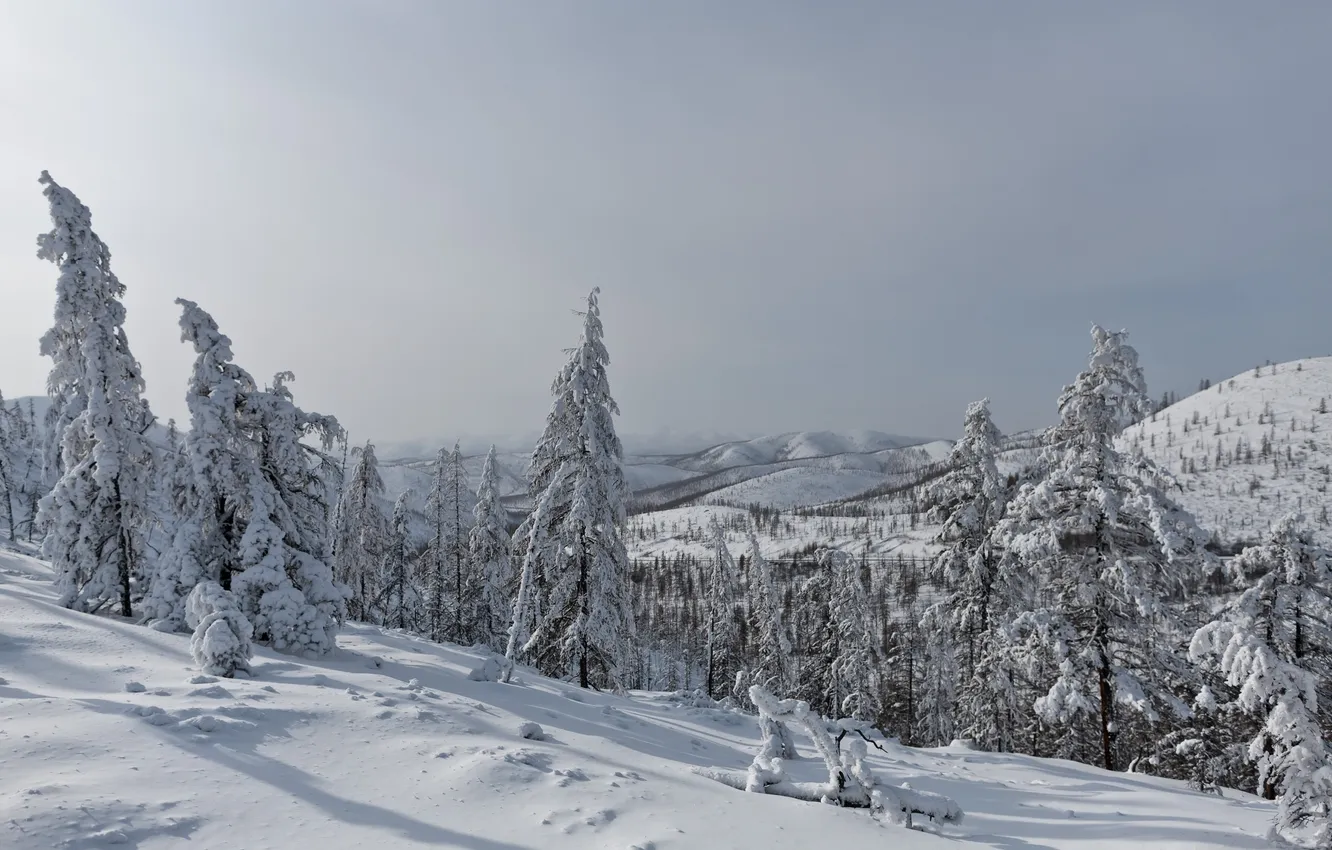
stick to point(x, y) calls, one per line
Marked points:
point(109, 737)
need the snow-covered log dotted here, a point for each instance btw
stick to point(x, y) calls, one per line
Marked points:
point(851, 782)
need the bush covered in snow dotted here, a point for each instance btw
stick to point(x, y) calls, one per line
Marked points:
point(221, 641)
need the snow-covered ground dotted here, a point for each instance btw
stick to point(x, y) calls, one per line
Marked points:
point(108, 737)
point(792, 488)
point(1240, 498)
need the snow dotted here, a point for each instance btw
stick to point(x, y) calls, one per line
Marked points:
point(386, 742)
point(799, 445)
point(1221, 498)
point(792, 488)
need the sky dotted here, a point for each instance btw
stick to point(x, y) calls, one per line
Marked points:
point(802, 216)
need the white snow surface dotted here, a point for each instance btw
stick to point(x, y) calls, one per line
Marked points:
point(1221, 498)
point(791, 488)
point(389, 743)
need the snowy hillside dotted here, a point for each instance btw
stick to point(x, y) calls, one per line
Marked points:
point(791, 488)
point(109, 737)
point(1250, 449)
point(794, 446)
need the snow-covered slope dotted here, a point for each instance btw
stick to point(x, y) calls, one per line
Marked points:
point(791, 488)
point(793, 446)
point(1214, 443)
point(108, 737)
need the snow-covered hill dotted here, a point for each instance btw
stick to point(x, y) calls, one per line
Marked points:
point(799, 445)
point(1250, 449)
point(109, 737)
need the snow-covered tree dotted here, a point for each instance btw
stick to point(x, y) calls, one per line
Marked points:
point(937, 709)
point(968, 502)
point(260, 503)
point(286, 588)
point(401, 600)
point(96, 513)
point(361, 534)
point(450, 595)
point(1264, 644)
point(489, 547)
point(10, 449)
point(586, 625)
point(211, 499)
point(772, 668)
point(850, 647)
point(1105, 548)
point(721, 592)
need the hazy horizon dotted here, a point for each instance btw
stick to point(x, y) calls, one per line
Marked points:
point(801, 218)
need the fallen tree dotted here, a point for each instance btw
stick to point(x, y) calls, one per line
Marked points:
point(850, 783)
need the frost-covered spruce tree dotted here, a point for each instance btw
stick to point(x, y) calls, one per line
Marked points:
point(97, 512)
point(450, 589)
point(938, 679)
point(968, 502)
point(772, 669)
point(721, 594)
point(259, 515)
point(400, 599)
point(361, 535)
point(1105, 548)
point(1266, 643)
point(587, 626)
point(537, 548)
point(489, 546)
point(850, 647)
point(286, 588)
point(211, 496)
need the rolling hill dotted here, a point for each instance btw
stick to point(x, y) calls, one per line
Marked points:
point(1249, 449)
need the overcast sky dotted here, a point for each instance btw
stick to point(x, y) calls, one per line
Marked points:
point(801, 215)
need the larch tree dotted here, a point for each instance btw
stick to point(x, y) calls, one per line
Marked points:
point(489, 547)
point(968, 501)
point(1106, 549)
point(1270, 643)
point(210, 496)
point(450, 594)
point(285, 587)
point(721, 595)
point(361, 535)
point(772, 667)
point(401, 600)
point(10, 445)
point(97, 512)
point(260, 511)
point(586, 627)
point(849, 645)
